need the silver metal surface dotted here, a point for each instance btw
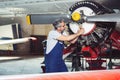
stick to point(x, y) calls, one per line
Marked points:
point(104, 18)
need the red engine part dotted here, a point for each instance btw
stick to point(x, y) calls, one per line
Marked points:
point(95, 64)
point(87, 51)
point(69, 48)
point(115, 37)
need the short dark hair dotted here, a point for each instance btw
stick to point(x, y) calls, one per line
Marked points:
point(57, 22)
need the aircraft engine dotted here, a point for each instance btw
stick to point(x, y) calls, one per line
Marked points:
point(95, 32)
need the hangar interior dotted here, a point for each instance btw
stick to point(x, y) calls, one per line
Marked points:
point(14, 59)
point(15, 12)
point(26, 58)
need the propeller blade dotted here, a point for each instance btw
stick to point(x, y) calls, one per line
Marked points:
point(46, 18)
point(16, 41)
point(115, 17)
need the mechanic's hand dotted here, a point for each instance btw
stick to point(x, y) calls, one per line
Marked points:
point(81, 31)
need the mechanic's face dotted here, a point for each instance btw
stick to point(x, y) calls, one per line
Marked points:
point(63, 26)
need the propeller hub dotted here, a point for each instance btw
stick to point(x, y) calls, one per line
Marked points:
point(76, 16)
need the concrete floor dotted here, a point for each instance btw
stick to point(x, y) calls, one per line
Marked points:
point(12, 65)
point(17, 65)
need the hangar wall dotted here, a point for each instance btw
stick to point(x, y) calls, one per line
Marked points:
point(28, 30)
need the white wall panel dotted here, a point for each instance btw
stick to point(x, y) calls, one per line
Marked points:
point(8, 32)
